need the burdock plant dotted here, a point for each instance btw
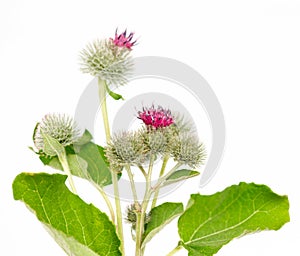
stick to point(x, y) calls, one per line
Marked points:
point(163, 139)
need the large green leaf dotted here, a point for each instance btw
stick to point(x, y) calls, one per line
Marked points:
point(212, 221)
point(79, 228)
point(160, 216)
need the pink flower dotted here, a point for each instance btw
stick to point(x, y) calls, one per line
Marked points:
point(156, 117)
point(122, 40)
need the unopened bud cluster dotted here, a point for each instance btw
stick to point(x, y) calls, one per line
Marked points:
point(131, 215)
point(160, 137)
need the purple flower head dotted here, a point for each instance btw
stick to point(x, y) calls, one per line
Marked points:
point(156, 117)
point(122, 40)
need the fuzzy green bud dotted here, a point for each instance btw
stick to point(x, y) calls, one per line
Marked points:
point(105, 60)
point(126, 148)
point(58, 126)
point(131, 215)
point(155, 140)
point(187, 149)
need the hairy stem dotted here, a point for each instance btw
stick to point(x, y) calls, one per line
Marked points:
point(102, 96)
point(162, 171)
point(138, 237)
point(133, 189)
point(62, 157)
point(143, 171)
point(142, 214)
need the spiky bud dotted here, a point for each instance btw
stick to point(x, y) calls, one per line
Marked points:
point(187, 149)
point(107, 60)
point(155, 140)
point(59, 126)
point(131, 212)
point(126, 148)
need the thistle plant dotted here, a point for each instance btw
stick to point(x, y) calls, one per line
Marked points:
point(163, 141)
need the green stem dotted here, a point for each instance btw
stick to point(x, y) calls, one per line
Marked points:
point(108, 203)
point(143, 171)
point(148, 192)
point(141, 215)
point(175, 250)
point(118, 211)
point(133, 189)
point(138, 236)
point(102, 98)
point(162, 171)
point(62, 157)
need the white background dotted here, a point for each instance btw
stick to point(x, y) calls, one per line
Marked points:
point(248, 51)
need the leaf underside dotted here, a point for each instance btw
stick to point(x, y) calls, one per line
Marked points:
point(212, 221)
point(79, 228)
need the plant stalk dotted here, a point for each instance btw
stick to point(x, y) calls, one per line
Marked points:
point(108, 203)
point(133, 189)
point(162, 171)
point(142, 214)
point(102, 98)
point(143, 171)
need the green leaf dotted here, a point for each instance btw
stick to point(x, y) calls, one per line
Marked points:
point(78, 166)
point(79, 228)
point(114, 95)
point(91, 159)
point(179, 176)
point(160, 216)
point(212, 221)
point(85, 138)
point(51, 146)
point(98, 169)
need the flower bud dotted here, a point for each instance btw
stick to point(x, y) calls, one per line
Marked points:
point(126, 148)
point(186, 149)
point(155, 140)
point(109, 59)
point(59, 126)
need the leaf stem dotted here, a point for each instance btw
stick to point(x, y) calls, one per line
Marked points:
point(175, 250)
point(108, 203)
point(62, 157)
point(162, 170)
point(102, 98)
